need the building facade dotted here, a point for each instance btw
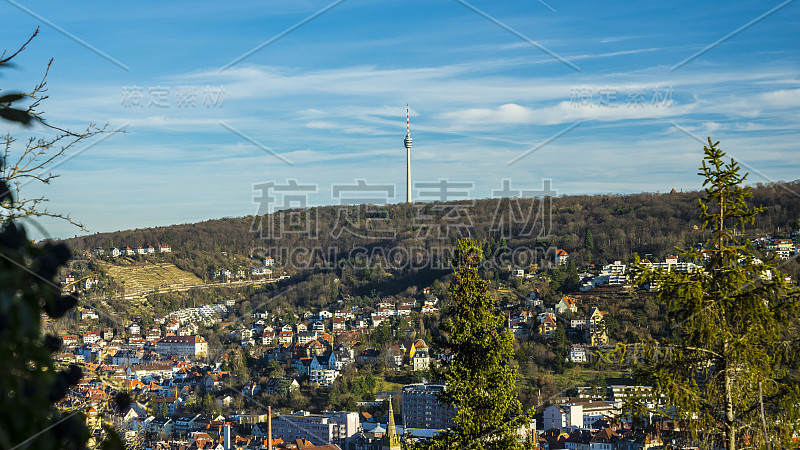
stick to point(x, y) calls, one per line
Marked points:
point(193, 346)
point(422, 408)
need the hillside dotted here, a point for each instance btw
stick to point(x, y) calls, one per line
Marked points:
point(146, 278)
point(621, 225)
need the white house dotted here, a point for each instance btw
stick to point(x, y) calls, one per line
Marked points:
point(260, 271)
point(578, 413)
point(164, 248)
point(323, 377)
point(577, 353)
point(566, 304)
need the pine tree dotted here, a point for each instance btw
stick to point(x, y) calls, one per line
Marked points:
point(480, 379)
point(572, 281)
point(588, 243)
point(726, 369)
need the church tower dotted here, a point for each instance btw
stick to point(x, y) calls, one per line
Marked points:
point(391, 441)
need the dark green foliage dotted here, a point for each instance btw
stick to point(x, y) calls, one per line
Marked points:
point(480, 380)
point(571, 281)
point(588, 242)
point(382, 335)
point(30, 382)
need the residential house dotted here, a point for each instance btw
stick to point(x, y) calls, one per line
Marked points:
point(561, 256)
point(91, 337)
point(268, 337)
point(595, 333)
point(87, 314)
point(566, 304)
point(548, 325)
point(260, 271)
point(534, 300)
point(215, 381)
point(183, 424)
point(302, 365)
point(421, 359)
point(285, 337)
point(163, 426)
point(577, 353)
point(251, 389)
point(323, 377)
point(394, 356)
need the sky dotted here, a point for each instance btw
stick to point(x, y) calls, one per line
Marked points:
point(222, 103)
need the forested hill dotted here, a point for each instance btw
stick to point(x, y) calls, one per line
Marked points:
point(620, 225)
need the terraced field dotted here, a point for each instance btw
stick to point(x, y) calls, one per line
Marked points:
point(142, 279)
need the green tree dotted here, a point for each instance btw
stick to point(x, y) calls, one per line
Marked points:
point(275, 369)
point(209, 404)
point(727, 369)
point(480, 379)
point(382, 334)
point(588, 242)
point(557, 279)
point(237, 363)
point(571, 282)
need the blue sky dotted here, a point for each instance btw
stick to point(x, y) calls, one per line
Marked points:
point(595, 97)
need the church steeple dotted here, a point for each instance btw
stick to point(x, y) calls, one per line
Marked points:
point(392, 440)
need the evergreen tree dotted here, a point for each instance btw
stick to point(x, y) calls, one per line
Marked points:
point(382, 335)
point(557, 279)
point(572, 280)
point(163, 410)
point(480, 379)
point(726, 369)
point(588, 242)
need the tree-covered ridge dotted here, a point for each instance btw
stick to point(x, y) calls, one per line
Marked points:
point(592, 228)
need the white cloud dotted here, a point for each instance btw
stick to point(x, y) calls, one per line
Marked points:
point(563, 112)
point(785, 98)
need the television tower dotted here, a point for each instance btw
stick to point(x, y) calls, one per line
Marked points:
point(407, 142)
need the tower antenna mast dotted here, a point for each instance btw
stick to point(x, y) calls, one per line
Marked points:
point(407, 142)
